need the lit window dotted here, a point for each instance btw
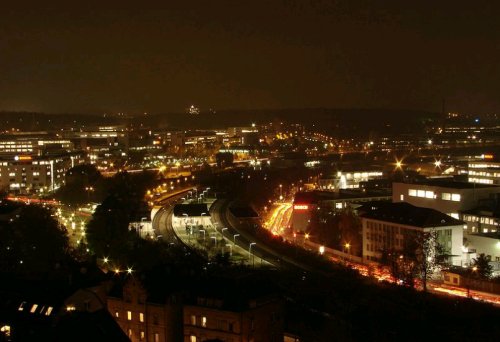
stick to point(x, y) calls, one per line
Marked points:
point(455, 197)
point(129, 332)
point(49, 311)
point(33, 308)
point(192, 338)
point(429, 194)
point(401, 197)
point(141, 317)
point(21, 307)
point(412, 192)
point(193, 320)
point(129, 315)
point(157, 337)
point(117, 314)
point(420, 193)
point(204, 322)
point(446, 196)
point(142, 335)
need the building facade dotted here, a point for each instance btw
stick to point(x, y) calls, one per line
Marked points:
point(447, 197)
point(389, 226)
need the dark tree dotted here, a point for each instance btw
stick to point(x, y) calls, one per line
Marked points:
point(420, 257)
point(224, 159)
point(33, 242)
point(83, 184)
point(481, 266)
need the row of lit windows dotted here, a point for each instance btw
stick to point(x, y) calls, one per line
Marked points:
point(199, 320)
point(142, 335)
point(480, 180)
point(484, 174)
point(485, 220)
point(421, 193)
point(130, 315)
point(484, 165)
point(446, 196)
point(43, 310)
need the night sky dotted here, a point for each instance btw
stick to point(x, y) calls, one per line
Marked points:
point(253, 54)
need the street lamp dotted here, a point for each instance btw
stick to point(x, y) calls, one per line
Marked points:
point(347, 246)
point(250, 250)
point(202, 231)
point(230, 248)
point(234, 237)
point(222, 231)
point(321, 250)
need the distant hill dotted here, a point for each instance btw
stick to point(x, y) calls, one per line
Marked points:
point(339, 122)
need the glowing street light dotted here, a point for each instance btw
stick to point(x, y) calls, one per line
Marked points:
point(234, 237)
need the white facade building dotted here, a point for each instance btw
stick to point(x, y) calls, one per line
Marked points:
point(387, 226)
point(447, 197)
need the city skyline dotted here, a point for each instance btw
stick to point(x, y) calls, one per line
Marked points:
point(259, 55)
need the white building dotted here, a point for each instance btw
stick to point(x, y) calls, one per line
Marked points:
point(489, 244)
point(29, 174)
point(448, 197)
point(387, 226)
point(484, 172)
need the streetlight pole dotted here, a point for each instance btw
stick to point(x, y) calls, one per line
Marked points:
point(250, 252)
point(230, 248)
point(347, 246)
point(234, 237)
point(222, 231)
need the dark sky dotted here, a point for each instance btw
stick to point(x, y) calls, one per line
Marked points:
point(240, 54)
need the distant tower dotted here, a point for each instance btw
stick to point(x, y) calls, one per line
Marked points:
point(192, 110)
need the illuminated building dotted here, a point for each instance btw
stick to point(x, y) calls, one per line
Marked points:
point(485, 171)
point(146, 317)
point(227, 309)
point(389, 226)
point(25, 174)
point(347, 180)
point(33, 143)
point(448, 197)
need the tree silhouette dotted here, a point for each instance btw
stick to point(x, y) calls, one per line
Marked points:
point(481, 266)
point(32, 242)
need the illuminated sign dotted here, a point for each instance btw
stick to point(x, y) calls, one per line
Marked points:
point(488, 156)
point(300, 207)
point(22, 158)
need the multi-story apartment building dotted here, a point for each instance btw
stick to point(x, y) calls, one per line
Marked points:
point(389, 226)
point(230, 310)
point(145, 317)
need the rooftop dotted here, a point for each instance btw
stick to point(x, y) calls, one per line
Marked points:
point(407, 214)
point(191, 210)
point(316, 196)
